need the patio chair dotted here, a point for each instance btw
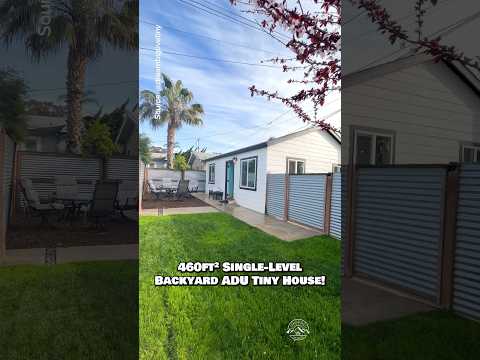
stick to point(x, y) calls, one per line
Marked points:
point(102, 206)
point(66, 187)
point(153, 189)
point(127, 197)
point(33, 205)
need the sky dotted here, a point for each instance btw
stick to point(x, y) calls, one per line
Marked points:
point(363, 46)
point(232, 119)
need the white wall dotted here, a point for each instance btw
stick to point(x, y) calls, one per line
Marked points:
point(318, 148)
point(254, 200)
point(430, 109)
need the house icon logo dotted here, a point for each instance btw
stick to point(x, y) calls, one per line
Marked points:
point(298, 329)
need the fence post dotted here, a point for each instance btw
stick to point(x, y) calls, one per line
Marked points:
point(3, 224)
point(328, 203)
point(350, 212)
point(286, 197)
point(449, 236)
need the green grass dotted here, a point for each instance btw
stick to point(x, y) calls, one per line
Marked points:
point(72, 311)
point(430, 336)
point(233, 322)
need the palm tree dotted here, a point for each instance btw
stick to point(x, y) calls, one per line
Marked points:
point(83, 26)
point(176, 110)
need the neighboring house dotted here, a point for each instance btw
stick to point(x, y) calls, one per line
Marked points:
point(412, 110)
point(45, 134)
point(159, 158)
point(242, 174)
point(197, 160)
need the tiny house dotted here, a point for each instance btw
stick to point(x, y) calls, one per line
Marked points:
point(241, 175)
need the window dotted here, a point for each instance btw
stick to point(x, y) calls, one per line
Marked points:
point(470, 153)
point(248, 173)
point(211, 173)
point(295, 166)
point(372, 148)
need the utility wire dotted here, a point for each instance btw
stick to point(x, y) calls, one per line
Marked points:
point(210, 38)
point(231, 19)
point(445, 30)
point(213, 59)
point(89, 86)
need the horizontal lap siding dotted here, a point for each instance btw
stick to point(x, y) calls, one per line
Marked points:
point(276, 195)
point(466, 298)
point(306, 199)
point(398, 226)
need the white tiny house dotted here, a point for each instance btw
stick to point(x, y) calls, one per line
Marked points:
point(241, 175)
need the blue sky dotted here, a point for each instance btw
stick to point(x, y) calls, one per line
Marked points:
point(233, 118)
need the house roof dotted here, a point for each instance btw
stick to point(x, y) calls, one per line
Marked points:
point(272, 141)
point(406, 61)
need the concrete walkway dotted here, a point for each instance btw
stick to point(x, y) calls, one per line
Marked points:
point(283, 230)
point(71, 254)
point(364, 303)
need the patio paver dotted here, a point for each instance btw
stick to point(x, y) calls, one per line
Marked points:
point(283, 230)
point(364, 303)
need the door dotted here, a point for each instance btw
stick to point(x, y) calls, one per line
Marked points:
point(229, 182)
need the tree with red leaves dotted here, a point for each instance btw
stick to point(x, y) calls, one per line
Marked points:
point(430, 45)
point(314, 39)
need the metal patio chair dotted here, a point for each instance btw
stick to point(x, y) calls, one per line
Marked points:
point(102, 206)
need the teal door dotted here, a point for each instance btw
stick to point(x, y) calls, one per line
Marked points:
point(229, 176)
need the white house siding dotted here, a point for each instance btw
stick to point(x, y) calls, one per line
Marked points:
point(254, 200)
point(430, 109)
point(318, 148)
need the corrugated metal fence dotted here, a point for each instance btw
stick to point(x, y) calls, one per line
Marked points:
point(42, 168)
point(398, 226)
point(466, 292)
point(276, 195)
point(298, 198)
point(417, 229)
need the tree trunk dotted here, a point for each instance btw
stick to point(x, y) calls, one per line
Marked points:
point(170, 146)
point(75, 86)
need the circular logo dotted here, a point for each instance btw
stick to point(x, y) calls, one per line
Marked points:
point(298, 329)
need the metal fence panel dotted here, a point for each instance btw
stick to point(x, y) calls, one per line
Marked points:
point(42, 169)
point(9, 158)
point(276, 195)
point(122, 169)
point(398, 226)
point(336, 206)
point(170, 178)
point(466, 289)
point(306, 199)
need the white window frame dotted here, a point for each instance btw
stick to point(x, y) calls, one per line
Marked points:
point(470, 146)
point(247, 160)
point(210, 172)
point(373, 149)
point(296, 165)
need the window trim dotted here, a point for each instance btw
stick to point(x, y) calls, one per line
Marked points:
point(256, 173)
point(296, 161)
point(355, 130)
point(211, 165)
point(470, 145)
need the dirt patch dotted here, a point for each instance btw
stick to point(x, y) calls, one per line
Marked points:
point(28, 233)
point(169, 204)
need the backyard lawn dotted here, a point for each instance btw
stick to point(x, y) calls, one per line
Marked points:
point(71, 311)
point(223, 322)
point(430, 336)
